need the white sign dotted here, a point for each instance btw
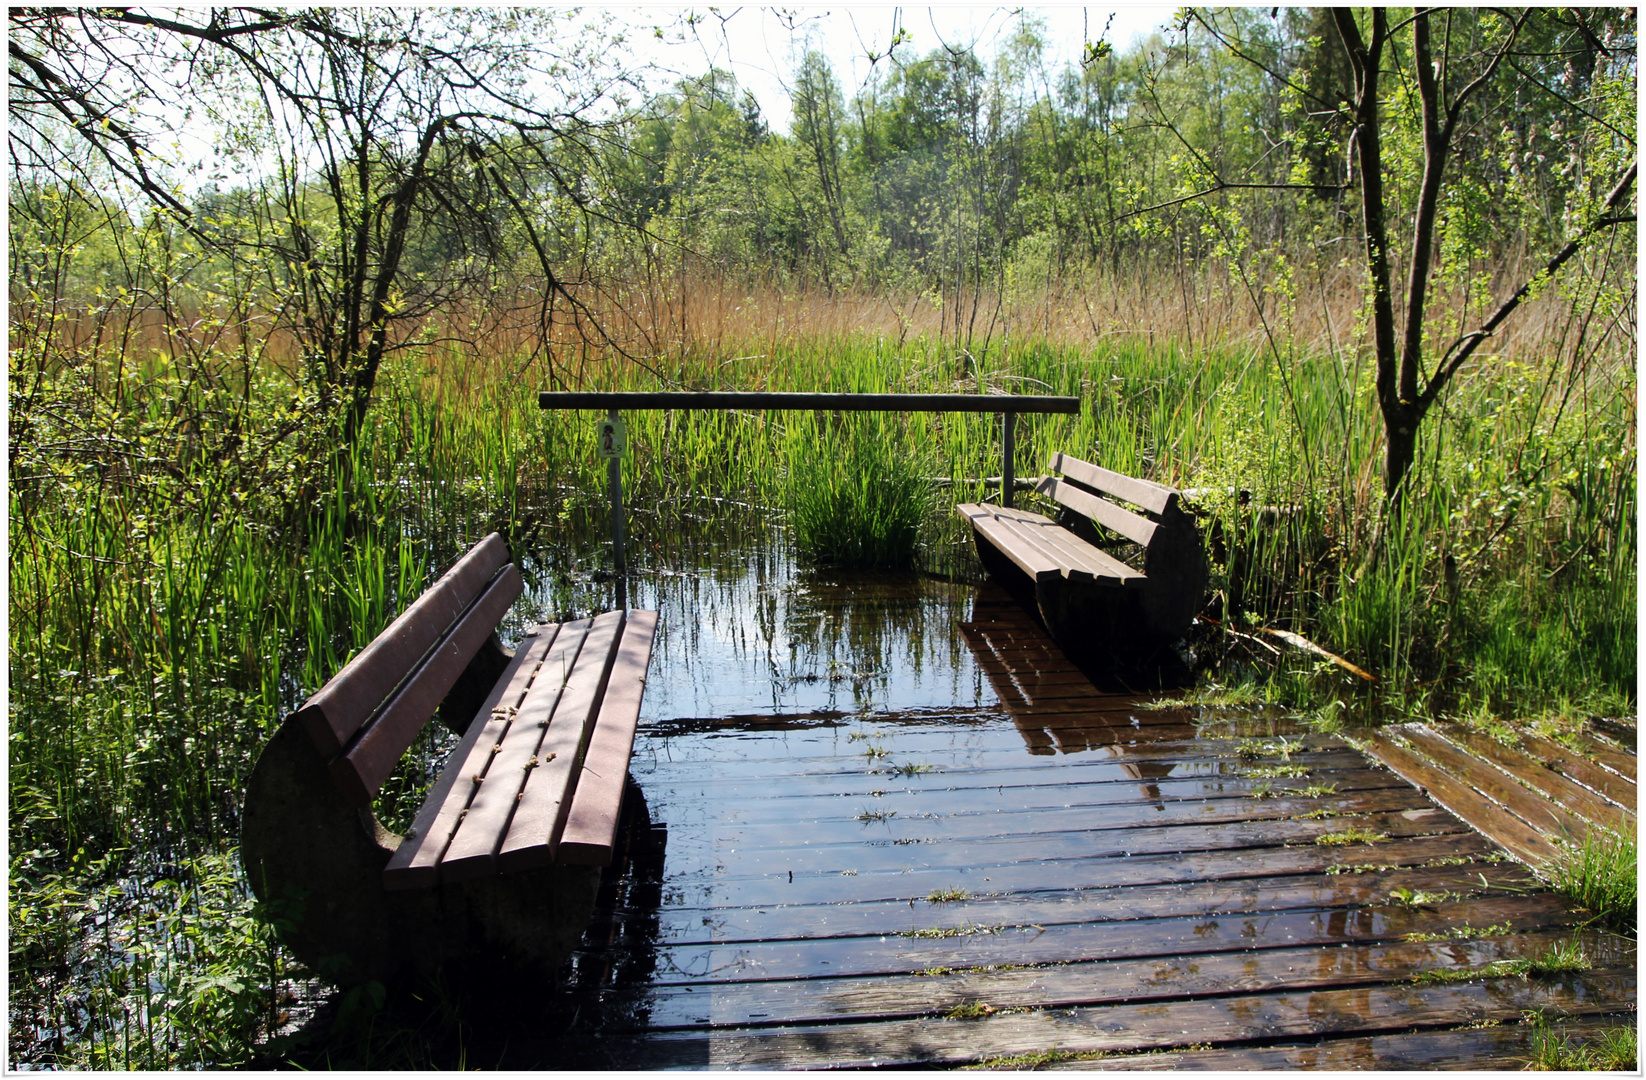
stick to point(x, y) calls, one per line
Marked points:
point(613, 438)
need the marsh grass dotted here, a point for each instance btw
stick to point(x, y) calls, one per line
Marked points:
point(1599, 876)
point(858, 493)
point(1614, 1050)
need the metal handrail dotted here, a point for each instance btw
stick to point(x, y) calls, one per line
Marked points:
point(760, 399)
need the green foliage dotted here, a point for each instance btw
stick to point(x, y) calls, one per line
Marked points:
point(1599, 876)
point(859, 491)
point(1614, 1050)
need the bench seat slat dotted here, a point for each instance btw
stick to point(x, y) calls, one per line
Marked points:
point(473, 849)
point(1137, 529)
point(1029, 558)
point(1039, 535)
point(1077, 558)
point(416, 863)
point(545, 797)
point(376, 750)
point(591, 826)
point(336, 711)
point(1153, 497)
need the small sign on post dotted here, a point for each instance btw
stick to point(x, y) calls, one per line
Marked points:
point(613, 438)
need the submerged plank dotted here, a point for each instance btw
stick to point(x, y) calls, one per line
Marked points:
point(1105, 982)
point(978, 946)
point(813, 885)
point(960, 907)
point(709, 806)
point(820, 837)
point(1134, 1027)
point(1052, 849)
point(1502, 1045)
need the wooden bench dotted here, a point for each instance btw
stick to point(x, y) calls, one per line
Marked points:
point(1093, 602)
point(503, 858)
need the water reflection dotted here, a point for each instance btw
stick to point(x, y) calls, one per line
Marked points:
point(1055, 705)
point(749, 630)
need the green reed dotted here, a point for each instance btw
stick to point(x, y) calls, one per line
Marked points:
point(859, 491)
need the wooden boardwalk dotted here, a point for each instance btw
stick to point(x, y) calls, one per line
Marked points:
point(1528, 798)
point(1071, 875)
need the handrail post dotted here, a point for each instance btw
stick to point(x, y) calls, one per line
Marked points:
point(614, 476)
point(1008, 481)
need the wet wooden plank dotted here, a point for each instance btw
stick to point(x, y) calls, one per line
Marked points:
point(376, 748)
point(1609, 755)
point(416, 862)
point(679, 924)
point(1567, 794)
point(1118, 1028)
point(1539, 813)
point(472, 852)
point(978, 946)
point(336, 711)
point(1573, 764)
point(813, 884)
point(1504, 1046)
point(1105, 982)
point(706, 806)
point(843, 746)
point(591, 825)
point(1073, 845)
point(1513, 834)
point(806, 757)
point(822, 837)
point(545, 796)
point(1111, 761)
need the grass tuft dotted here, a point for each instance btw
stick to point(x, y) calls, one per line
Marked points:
point(858, 492)
point(1615, 1050)
point(1598, 876)
point(1461, 933)
point(1355, 834)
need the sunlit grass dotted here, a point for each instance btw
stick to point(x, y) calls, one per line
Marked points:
point(1599, 876)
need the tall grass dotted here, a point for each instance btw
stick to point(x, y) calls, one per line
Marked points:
point(1598, 875)
point(859, 493)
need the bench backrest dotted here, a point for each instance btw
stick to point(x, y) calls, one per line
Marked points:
point(1174, 562)
point(370, 712)
point(1084, 485)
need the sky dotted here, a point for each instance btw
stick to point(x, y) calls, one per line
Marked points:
point(761, 45)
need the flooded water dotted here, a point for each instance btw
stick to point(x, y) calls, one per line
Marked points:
point(877, 810)
point(751, 633)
